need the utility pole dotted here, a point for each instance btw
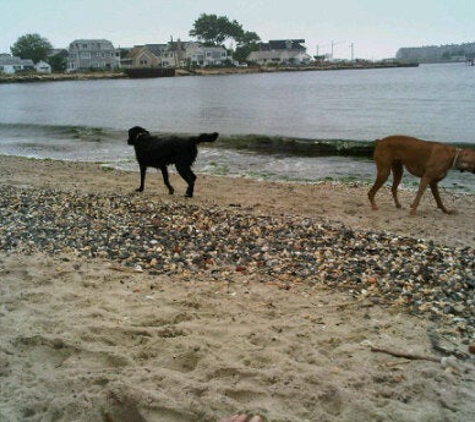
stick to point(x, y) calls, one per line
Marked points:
point(333, 45)
point(352, 46)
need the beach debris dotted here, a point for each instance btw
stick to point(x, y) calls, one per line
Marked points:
point(409, 356)
point(137, 234)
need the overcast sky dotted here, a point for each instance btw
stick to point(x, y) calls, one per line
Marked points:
point(376, 28)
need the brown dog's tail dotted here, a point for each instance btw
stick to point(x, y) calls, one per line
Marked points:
point(206, 137)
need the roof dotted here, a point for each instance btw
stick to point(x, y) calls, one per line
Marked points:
point(283, 45)
point(6, 60)
point(274, 55)
point(156, 49)
point(93, 43)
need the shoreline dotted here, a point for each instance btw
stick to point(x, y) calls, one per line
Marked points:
point(272, 298)
point(86, 76)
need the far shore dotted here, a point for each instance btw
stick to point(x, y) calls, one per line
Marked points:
point(81, 76)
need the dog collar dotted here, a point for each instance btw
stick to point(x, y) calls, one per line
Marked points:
point(456, 157)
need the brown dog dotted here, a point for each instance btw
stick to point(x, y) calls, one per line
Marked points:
point(430, 161)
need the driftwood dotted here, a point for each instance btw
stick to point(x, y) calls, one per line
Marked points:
point(406, 355)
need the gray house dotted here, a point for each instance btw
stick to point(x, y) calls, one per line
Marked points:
point(92, 54)
point(11, 64)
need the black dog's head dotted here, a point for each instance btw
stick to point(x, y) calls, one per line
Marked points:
point(135, 133)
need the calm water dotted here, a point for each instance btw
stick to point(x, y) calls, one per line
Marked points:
point(88, 120)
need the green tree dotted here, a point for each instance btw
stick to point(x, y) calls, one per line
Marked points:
point(31, 46)
point(210, 29)
point(215, 30)
point(58, 63)
point(247, 38)
point(242, 51)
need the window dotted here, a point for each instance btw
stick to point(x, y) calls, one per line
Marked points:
point(85, 55)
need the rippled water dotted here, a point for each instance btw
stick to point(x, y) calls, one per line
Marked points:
point(87, 120)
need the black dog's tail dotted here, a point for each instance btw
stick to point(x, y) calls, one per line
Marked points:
point(205, 137)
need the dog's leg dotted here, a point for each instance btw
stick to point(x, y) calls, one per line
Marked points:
point(435, 192)
point(382, 176)
point(166, 180)
point(397, 177)
point(422, 187)
point(143, 172)
point(189, 177)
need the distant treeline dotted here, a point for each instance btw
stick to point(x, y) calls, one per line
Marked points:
point(434, 53)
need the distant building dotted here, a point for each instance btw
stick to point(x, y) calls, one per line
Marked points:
point(43, 67)
point(61, 52)
point(151, 55)
point(202, 56)
point(280, 52)
point(175, 54)
point(437, 53)
point(92, 55)
point(10, 64)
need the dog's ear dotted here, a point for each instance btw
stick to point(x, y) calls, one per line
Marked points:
point(135, 132)
point(138, 129)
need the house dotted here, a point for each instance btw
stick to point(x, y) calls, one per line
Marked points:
point(175, 54)
point(155, 55)
point(43, 67)
point(92, 54)
point(202, 56)
point(171, 54)
point(141, 56)
point(280, 52)
point(10, 64)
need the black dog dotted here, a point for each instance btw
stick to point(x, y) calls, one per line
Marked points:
point(159, 152)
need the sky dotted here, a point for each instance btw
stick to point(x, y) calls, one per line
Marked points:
point(371, 29)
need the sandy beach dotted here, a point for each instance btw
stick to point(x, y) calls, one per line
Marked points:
point(88, 338)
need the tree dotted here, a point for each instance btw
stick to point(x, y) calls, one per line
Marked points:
point(215, 30)
point(243, 51)
point(58, 63)
point(31, 46)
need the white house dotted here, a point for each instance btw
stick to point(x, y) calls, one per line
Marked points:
point(43, 67)
point(200, 55)
point(280, 52)
point(281, 57)
point(11, 64)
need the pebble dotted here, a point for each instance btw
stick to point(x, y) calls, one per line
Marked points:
point(166, 237)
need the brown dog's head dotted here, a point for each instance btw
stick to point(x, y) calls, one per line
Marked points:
point(135, 133)
point(466, 160)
